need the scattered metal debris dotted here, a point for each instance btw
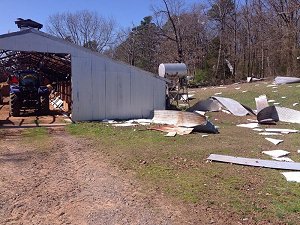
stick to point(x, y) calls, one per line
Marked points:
point(255, 162)
point(284, 159)
point(171, 134)
point(292, 176)
point(276, 153)
point(233, 106)
point(274, 141)
point(210, 105)
point(249, 125)
point(280, 130)
point(269, 133)
point(287, 80)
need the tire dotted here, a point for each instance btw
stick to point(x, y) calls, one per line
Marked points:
point(14, 104)
point(45, 104)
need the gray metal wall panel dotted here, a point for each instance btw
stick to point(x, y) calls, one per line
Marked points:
point(111, 105)
point(98, 88)
point(82, 98)
point(124, 87)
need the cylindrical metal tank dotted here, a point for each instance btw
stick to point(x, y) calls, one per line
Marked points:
point(172, 70)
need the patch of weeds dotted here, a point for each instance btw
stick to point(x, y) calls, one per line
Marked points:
point(37, 136)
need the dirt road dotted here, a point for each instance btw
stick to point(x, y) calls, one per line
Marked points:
point(68, 182)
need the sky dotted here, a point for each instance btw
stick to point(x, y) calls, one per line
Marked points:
point(126, 12)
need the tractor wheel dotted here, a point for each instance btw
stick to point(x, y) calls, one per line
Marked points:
point(14, 104)
point(45, 104)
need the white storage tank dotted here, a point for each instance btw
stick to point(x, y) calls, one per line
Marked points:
point(172, 70)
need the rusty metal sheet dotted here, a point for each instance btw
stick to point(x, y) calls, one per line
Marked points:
point(178, 118)
point(255, 162)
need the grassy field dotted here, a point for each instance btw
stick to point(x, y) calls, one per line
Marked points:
point(177, 166)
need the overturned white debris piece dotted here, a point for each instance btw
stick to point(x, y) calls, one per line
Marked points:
point(296, 103)
point(255, 162)
point(283, 97)
point(261, 103)
point(272, 85)
point(271, 101)
point(281, 130)
point(269, 134)
point(249, 125)
point(292, 176)
point(276, 103)
point(171, 134)
point(204, 135)
point(274, 141)
point(287, 80)
point(244, 91)
point(283, 159)
point(275, 91)
point(219, 93)
point(276, 153)
point(237, 88)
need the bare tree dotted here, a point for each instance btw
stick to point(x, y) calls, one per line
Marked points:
point(168, 20)
point(84, 28)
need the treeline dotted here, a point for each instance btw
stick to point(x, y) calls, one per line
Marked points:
point(221, 42)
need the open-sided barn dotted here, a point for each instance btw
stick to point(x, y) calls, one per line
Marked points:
point(100, 88)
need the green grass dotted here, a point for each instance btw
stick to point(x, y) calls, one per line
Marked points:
point(37, 136)
point(177, 166)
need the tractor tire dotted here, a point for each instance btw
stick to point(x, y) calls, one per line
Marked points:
point(14, 105)
point(45, 104)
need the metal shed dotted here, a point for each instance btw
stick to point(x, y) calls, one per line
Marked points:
point(102, 88)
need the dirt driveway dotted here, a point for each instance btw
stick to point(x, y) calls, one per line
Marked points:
point(68, 182)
